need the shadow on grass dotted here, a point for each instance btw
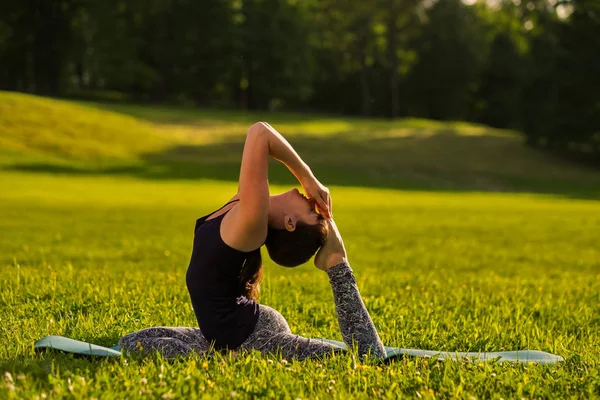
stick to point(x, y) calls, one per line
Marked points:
point(402, 159)
point(50, 362)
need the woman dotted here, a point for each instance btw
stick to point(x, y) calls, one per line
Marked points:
point(226, 268)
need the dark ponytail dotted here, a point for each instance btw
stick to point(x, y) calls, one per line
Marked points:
point(251, 275)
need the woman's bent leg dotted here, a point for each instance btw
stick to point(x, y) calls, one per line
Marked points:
point(170, 342)
point(355, 322)
point(273, 335)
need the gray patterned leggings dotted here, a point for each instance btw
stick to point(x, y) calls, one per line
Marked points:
point(272, 333)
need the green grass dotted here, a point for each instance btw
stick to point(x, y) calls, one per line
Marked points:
point(96, 239)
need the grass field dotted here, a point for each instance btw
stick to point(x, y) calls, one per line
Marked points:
point(461, 239)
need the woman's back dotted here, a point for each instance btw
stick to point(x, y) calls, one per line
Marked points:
point(224, 314)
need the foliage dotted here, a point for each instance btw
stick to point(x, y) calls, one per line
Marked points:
point(521, 65)
point(454, 37)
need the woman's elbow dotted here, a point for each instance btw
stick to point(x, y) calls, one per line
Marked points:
point(257, 127)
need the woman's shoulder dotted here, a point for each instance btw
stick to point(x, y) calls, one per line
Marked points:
point(234, 234)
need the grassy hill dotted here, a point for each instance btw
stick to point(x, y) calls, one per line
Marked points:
point(40, 134)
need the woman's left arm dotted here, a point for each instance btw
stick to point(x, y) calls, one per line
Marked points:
point(281, 150)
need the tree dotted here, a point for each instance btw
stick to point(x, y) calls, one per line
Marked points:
point(401, 23)
point(35, 37)
point(451, 52)
point(189, 45)
point(503, 79)
point(346, 54)
point(578, 122)
point(274, 63)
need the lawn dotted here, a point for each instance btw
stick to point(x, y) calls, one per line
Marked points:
point(460, 237)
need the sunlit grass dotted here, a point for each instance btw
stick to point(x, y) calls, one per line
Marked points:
point(97, 257)
point(93, 253)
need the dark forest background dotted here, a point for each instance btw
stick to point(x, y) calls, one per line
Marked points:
point(528, 65)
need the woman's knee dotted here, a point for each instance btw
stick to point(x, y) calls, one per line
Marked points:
point(272, 320)
point(270, 323)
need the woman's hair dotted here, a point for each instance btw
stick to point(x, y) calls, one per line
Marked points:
point(251, 275)
point(288, 249)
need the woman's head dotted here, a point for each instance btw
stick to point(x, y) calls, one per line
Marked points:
point(293, 238)
point(304, 231)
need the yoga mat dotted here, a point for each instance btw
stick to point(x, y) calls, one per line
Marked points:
point(522, 356)
point(75, 346)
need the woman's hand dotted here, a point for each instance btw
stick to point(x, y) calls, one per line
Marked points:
point(315, 190)
point(333, 251)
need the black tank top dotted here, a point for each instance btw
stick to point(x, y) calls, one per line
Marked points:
point(224, 315)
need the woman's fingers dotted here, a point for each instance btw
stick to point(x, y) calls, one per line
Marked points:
point(324, 203)
point(327, 201)
point(321, 204)
point(320, 194)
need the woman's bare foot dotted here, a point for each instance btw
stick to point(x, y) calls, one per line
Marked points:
point(333, 251)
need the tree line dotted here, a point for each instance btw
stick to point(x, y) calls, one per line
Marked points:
point(530, 65)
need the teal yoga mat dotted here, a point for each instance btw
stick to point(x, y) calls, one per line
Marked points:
point(521, 356)
point(75, 346)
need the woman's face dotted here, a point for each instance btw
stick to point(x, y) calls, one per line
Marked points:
point(302, 208)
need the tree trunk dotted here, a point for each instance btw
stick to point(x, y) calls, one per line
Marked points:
point(363, 42)
point(364, 86)
point(393, 58)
